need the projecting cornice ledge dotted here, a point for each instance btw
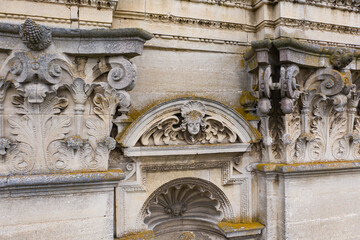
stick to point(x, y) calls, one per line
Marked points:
point(303, 168)
point(63, 183)
point(127, 41)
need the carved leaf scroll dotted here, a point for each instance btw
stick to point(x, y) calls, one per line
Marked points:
point(189, 128)
point(36, 128)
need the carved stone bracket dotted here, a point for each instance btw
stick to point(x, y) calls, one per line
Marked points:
point(318, 103)
point(60, 105)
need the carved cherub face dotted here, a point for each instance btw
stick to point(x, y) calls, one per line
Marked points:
point(193, 113)
point(176, 209)
point(193, 121)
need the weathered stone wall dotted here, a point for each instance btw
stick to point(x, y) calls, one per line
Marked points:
point(214, 75)
point(309, 205)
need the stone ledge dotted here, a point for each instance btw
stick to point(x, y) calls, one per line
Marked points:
point(241, 230)
point(307, 167)
point(113, 175)
point(186, 149)
point(84, 33)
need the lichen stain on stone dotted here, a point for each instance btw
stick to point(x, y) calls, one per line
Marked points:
point(235, 227)
point(298, 167)
point(144, 235)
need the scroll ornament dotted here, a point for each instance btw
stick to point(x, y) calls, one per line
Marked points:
point(192, 126)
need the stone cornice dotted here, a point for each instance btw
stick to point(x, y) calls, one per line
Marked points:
point(84, 3)
point(252, 5)
point(308, 167)
point(340, 5)
point(287, 22)
point(184, 20)
point(54, 20)
point(197, 39)
point(225, 3)
point(320, 26)
point(85, 33)
point(62, 178)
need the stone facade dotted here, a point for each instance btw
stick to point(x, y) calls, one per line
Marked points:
point(222, 119)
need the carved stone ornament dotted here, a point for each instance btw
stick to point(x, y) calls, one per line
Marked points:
point(57, 108)
point(310, 113)
point(35, 36)
point(209, 125)
point(195, 128)
point(340, 58)
point(187, 198)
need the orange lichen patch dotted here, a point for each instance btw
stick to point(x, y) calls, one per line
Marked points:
point(234, 227)
point(314, 166)
point(144, 235)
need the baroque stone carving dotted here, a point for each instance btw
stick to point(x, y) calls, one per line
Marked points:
point(185, 198)
point(317, 121)
point(183, 201)
point(195, 127)
point(41, 123)
point(63, 107)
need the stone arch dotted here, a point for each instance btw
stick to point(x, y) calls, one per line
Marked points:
point(188, 199)
point(168, 124)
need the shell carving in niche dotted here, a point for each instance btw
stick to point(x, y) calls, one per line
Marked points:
point(183, 201)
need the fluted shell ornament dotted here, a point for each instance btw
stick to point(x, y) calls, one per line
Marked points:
point(35, 36)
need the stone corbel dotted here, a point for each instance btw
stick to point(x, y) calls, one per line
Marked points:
point(353, 103)
point(264, 106)
point(289, 94)
point(289, 86)
point(5, 143)
point(122, 77)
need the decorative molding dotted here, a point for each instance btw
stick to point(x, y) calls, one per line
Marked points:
point(351, 6)
point(198, 22)
point(111, 4)
point(70, 119)
point(226, 3)
point(200, 40)
point(54, 20)
point(320, 26)
point(228, 178)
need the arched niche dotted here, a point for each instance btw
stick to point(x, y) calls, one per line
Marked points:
point(188, 126)
point(185, 204)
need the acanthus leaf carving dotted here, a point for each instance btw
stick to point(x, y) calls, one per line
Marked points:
point(40, 122)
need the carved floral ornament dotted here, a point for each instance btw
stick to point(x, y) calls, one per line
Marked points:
point(57, 118)
point(189, 122)
point(309, 117)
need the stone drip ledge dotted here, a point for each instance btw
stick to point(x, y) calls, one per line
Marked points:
point(113, 175)
point(230, 230)
point(84, 33)
point(241, 230)
point(307, 167)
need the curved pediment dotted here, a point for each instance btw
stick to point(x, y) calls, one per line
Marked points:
point(198, 125)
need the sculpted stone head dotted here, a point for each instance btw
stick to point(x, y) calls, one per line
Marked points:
point(193, 113)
